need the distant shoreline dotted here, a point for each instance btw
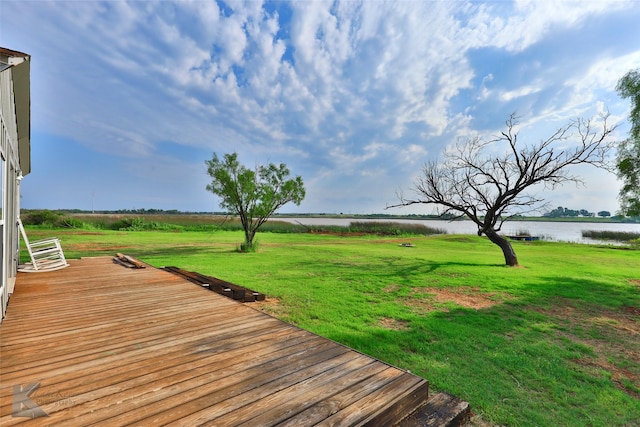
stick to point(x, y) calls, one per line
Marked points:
point(615, 220)
point(143, 212)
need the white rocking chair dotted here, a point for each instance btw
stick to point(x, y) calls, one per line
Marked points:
point(46, 254)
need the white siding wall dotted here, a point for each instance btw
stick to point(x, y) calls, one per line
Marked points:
point(10, 196)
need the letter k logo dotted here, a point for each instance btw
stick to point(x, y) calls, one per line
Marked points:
point(23, 406)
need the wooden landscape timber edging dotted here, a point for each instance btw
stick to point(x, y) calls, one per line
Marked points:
point(128, 261)
point(219, 286)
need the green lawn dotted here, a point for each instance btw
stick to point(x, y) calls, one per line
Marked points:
point(555, 342)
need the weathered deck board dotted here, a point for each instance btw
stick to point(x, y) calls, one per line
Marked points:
point(119, 346)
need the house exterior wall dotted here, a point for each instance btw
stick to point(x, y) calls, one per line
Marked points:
point(15, 162)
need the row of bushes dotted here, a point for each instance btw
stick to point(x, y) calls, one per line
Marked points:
point(53, 219)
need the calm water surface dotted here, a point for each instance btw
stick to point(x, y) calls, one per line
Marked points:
point(553, 231)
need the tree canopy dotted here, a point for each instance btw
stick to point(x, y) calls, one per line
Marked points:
point(561, 212)
point(487, 180)
point(628, 157)
point(252, 194)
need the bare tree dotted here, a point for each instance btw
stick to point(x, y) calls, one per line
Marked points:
point(486, 181)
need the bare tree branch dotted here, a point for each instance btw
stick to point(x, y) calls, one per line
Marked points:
point(473, 181)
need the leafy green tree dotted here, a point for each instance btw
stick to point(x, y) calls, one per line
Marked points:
point(561, 212)
point(604, 214)
point(628, 156)
point(253, 195)
point(488, 181)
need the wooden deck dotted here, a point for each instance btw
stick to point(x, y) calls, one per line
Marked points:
point(119, 346)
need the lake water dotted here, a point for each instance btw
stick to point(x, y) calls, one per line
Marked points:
point(547, 230)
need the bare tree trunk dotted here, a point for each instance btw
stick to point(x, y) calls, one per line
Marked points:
point(509, 254)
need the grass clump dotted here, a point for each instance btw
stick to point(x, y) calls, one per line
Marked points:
point(522, 232)
point(246, 247)
point(140, 224)
point(393, 228)
point(619, 236)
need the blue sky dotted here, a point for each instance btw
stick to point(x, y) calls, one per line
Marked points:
point(130, 98)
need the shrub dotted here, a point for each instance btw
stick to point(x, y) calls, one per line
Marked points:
point(128, 224)
point(620, 236)
point(393, 228)
point(155, 225)
point(66, 222)
point(139, 224)
point(40, 217)
point(522, 232)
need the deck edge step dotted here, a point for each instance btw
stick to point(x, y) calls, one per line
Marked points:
point(441, 410)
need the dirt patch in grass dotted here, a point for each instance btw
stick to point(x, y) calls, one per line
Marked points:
point(634, 311)
point(465, 297)
point(391, 287)
point(422, 306)
point(619, 376)
point(612, 335)
point(393, 324)
point(271, 306)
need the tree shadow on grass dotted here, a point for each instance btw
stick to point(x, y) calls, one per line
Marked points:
point(398, 267)
point(423, 266)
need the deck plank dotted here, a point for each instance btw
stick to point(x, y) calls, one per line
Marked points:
point(117, 346)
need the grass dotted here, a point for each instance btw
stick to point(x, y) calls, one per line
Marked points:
point(552, 343)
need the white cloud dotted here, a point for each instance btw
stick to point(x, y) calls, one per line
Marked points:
point(530, 20)
point(412, 155)
point(518, 93)
point(602, 75)
point(352, 162)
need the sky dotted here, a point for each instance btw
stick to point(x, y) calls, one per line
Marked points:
point(130, 98)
